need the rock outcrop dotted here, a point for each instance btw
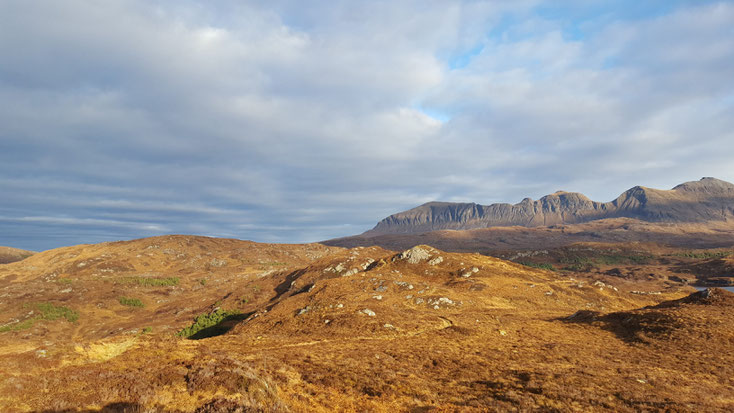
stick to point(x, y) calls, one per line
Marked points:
point(706, 200)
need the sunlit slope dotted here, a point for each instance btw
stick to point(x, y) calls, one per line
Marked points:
point(200, 324)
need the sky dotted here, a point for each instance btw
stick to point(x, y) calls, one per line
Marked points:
point(291, 121)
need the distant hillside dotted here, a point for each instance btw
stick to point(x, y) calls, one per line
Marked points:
point(707, 200)
point(8, 254)
point(491, 241)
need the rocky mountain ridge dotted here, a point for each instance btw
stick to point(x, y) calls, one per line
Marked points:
point(706, 200)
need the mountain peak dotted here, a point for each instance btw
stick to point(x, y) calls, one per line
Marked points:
point(706, 185)
point(708, 199)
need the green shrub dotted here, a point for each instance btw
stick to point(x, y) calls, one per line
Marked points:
point(51, 312)
point(617, 259)
point(579, 263)
point(131, 302)
point(147, 330)
point(47, 311)
point(210, 325)
point(542, 266)
point(23, 325)
point(202, 281)
point(577, 267)
point(148, 282)
point(703, 255)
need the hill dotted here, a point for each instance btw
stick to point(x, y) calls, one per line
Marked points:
point(173, 278)
point(199, 324)
point(8, 254)
point(704, 201)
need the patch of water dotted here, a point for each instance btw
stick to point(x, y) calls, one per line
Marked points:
point(723, 288)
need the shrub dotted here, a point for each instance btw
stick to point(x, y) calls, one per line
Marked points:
point(703, 255)
point(51, 312)
point(23, 325)
point(47, 311)
point(617, 259)
point(148, 282)
point(211, 324)
point(131, 302)
point(542, 266)
point(147, 330)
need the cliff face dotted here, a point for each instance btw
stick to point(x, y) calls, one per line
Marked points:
point(706, 200)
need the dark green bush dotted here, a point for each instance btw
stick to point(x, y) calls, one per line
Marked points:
point(211, 324)
point(52, 312)
point(23, 325)
point(542, 266)
point(131, 302)
point(148, 282)
point(703, 255)
point(47, 311)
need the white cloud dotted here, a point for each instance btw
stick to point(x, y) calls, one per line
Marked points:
point(230, 118)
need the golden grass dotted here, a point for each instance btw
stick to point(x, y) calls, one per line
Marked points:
point(105, 350)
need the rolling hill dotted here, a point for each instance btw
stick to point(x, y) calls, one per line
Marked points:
point(8, 254)
point(195, 324)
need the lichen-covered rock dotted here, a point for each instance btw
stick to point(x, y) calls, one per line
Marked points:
point(368, 312)
point(367, 263)
point(435, 260)
point(415, 255)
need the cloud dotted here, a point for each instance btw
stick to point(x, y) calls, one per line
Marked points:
point(275, 122)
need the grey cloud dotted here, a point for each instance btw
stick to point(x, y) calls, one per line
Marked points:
point(593, 121)
point(276, 122)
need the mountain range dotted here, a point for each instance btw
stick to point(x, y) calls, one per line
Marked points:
point(707, 200)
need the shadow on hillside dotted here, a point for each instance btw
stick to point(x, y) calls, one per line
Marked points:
point(630, 327)
point(117, 407)
point(716, 272)
point(221, 327)
point(213, 406)
point(286, 285)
